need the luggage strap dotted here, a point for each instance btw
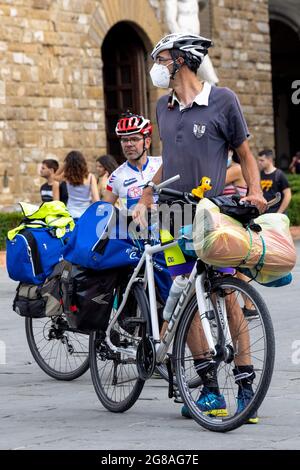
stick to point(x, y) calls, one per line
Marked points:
point(244, 261)
point(258, 267)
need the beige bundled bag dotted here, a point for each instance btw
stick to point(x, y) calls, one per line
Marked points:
point(222, 241)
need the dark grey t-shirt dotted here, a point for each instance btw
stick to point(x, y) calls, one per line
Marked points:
point(195, 140)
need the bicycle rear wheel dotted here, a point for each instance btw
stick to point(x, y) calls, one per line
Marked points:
point(114, 374)
point(59, 352)
point(252, 343)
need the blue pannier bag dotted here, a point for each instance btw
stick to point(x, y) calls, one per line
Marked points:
point(281, 282)
point(35, 246)
point(100, 240)
point(32, 254)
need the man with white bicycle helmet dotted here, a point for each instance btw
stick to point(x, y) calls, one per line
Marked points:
point(197, 124)
point(193, 48)
point(127, 181)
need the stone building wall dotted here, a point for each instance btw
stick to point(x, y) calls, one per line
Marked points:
point(243, 61)
point(51, 90)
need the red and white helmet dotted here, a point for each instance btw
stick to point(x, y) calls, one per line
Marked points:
point(133, 124)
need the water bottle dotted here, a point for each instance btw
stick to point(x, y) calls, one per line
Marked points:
point(177, 287)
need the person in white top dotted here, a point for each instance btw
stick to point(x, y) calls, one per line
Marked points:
point(82, 185)
point(127, 181)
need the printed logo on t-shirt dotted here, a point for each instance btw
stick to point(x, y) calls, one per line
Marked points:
point(199, 130)
point(129, 182)
point(135, 192)
point(266, 185)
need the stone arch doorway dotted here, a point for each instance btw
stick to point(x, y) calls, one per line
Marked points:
point(285, 53)
point(124, 79)
point(141, 17)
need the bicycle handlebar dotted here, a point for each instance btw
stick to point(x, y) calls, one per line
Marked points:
point(159, 186)
point(188, 197)
point(184, 196)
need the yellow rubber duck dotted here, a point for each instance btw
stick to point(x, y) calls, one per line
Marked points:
point(204, 186)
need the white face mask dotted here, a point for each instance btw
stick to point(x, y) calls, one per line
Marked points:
point(160, 76)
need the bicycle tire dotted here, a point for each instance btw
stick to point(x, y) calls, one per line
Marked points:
point(263, 367)
point(113, 396)
point(52, 354)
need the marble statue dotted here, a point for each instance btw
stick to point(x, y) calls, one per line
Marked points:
point(183, 16)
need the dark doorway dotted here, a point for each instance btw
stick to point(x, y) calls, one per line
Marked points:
point(285, 53)
point(124, 77)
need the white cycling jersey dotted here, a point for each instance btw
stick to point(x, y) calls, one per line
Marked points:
point(127, 181)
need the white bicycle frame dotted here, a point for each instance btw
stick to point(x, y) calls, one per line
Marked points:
point(195, 282)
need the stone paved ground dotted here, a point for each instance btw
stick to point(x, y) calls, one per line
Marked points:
point(37, 412)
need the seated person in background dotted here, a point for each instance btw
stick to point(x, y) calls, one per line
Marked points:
point(234, 183)
point(105, 165)
point(273, 181)
point(52, 190)
point(81, 185)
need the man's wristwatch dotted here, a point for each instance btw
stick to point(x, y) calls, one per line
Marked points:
point(150, 184)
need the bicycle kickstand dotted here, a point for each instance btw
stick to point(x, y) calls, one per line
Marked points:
point(173, 390)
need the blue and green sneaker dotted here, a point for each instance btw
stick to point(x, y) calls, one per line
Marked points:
point(243, 399)
point(209, 403)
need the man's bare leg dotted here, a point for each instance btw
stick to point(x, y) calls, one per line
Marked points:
point(238, 326)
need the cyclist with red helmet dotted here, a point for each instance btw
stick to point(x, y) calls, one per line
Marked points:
point(127, 181)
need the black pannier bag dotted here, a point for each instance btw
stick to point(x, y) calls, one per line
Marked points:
point(88, 297)
point(29, 302)
point(44, 300)
point(51, 289)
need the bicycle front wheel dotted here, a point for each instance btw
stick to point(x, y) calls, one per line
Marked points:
point(115, 374)
point(60, 353)
point(252, 344)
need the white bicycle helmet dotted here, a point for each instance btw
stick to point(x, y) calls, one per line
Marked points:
point(196, 45)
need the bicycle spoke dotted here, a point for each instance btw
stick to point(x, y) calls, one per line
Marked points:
point(114, 374)
point(252, 344)
point(60, 353)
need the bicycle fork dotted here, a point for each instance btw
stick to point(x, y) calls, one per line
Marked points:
point(205, 307)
